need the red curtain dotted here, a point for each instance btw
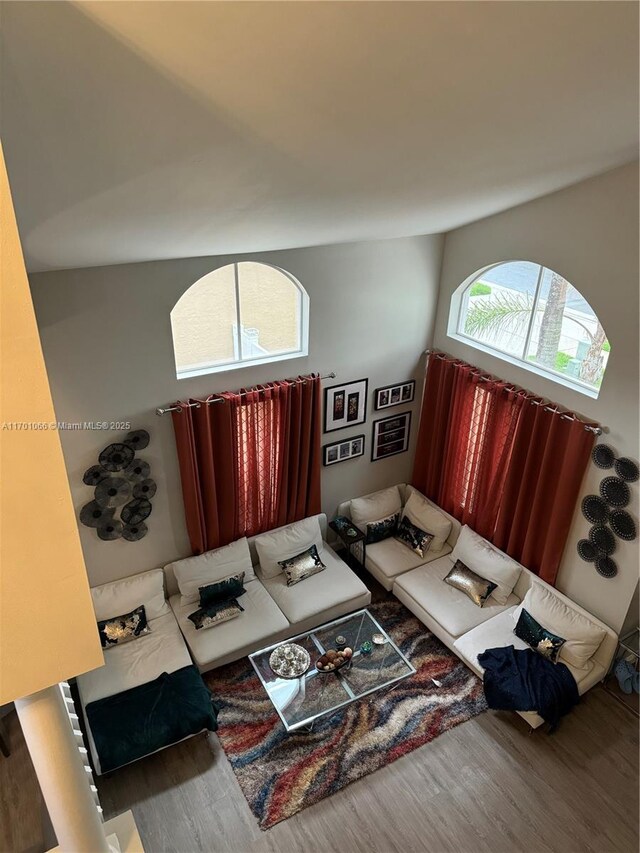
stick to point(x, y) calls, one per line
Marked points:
point(549, 457)
point(493, 459)
point(250, 462)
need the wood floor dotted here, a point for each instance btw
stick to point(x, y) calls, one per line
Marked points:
point(487, 785)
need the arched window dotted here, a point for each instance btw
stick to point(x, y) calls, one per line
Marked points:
point(238, 315)
point(530, 315)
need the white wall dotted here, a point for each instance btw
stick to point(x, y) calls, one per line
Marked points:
point(107, 344)
point(589, 234)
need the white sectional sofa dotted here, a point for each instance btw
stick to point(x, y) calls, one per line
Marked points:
point(273, 610)
point(468, 630)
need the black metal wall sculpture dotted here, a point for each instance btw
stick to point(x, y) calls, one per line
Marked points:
point(605, 513)
point(121, 482)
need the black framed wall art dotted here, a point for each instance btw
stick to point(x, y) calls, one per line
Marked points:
point(394, 395)
point(345, 405)
point(390, 436)
point(340, 451)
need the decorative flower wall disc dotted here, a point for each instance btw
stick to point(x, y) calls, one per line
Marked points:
point(136, 511)
point(595, 509)
point(145, 488)
point(138, 469)
point(111, 530)
point(603, 539)
point(138, 439)
point(603, 456)
point(115, 457)
point(94, 515)
point(587, 551)
point(627, 469)
point(606, 567)
point(93, 475)
point(133, 532)
point(622, 524)
point(113, 491)
point(615, 491)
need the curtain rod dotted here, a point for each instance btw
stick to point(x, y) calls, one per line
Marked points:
point(219, 399)
point(548, 406)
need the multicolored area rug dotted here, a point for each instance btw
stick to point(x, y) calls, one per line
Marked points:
point(281, 774)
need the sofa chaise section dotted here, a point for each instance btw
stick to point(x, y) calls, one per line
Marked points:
point(139, 662)
point(498, 632)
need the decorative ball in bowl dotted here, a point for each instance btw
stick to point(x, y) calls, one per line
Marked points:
point(334, 659)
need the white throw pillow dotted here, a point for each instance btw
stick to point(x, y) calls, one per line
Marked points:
point(287, 542)
point(212, 566)
point(486, 560)
point(425, 516)
point(119, 597)
point(583, 637)
point(378, 505)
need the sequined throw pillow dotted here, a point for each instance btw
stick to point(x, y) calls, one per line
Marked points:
point(414, 538)
point(302, 566)
point(214, 593)
point(534, 635)
point(122, 629)
point(382, 529)
point(216, 614)
point(477, 588)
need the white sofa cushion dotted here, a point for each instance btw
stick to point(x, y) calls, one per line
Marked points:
point(210, 567)
point(496, 634)
point(583, 637)
point(450, 607)
point(425, 516)
point(487, 561)
point(390, 558)
point(287, 542)
point(122, 596)
point(262, 618)
point(375, 506)
point(320, 593)
point(127, 666)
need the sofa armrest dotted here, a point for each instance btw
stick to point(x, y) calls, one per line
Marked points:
point(607, 648)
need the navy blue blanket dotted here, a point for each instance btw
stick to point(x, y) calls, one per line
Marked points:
point(523, 680)
point(146, 718)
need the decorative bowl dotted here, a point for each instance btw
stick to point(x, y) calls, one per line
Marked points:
point(289, 660)
point(334, 659)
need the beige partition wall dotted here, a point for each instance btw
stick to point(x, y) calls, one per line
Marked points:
point(47, 626)
point(48, 630)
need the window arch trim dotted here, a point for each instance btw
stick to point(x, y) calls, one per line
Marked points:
point(455, 330)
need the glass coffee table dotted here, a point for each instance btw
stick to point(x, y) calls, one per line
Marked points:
point(301, 701)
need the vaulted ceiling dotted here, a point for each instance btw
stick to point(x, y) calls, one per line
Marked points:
point(146, 130)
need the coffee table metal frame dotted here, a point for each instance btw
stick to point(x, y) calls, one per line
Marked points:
point(261, 657)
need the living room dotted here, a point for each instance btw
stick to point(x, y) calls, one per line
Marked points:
point(413, 182)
